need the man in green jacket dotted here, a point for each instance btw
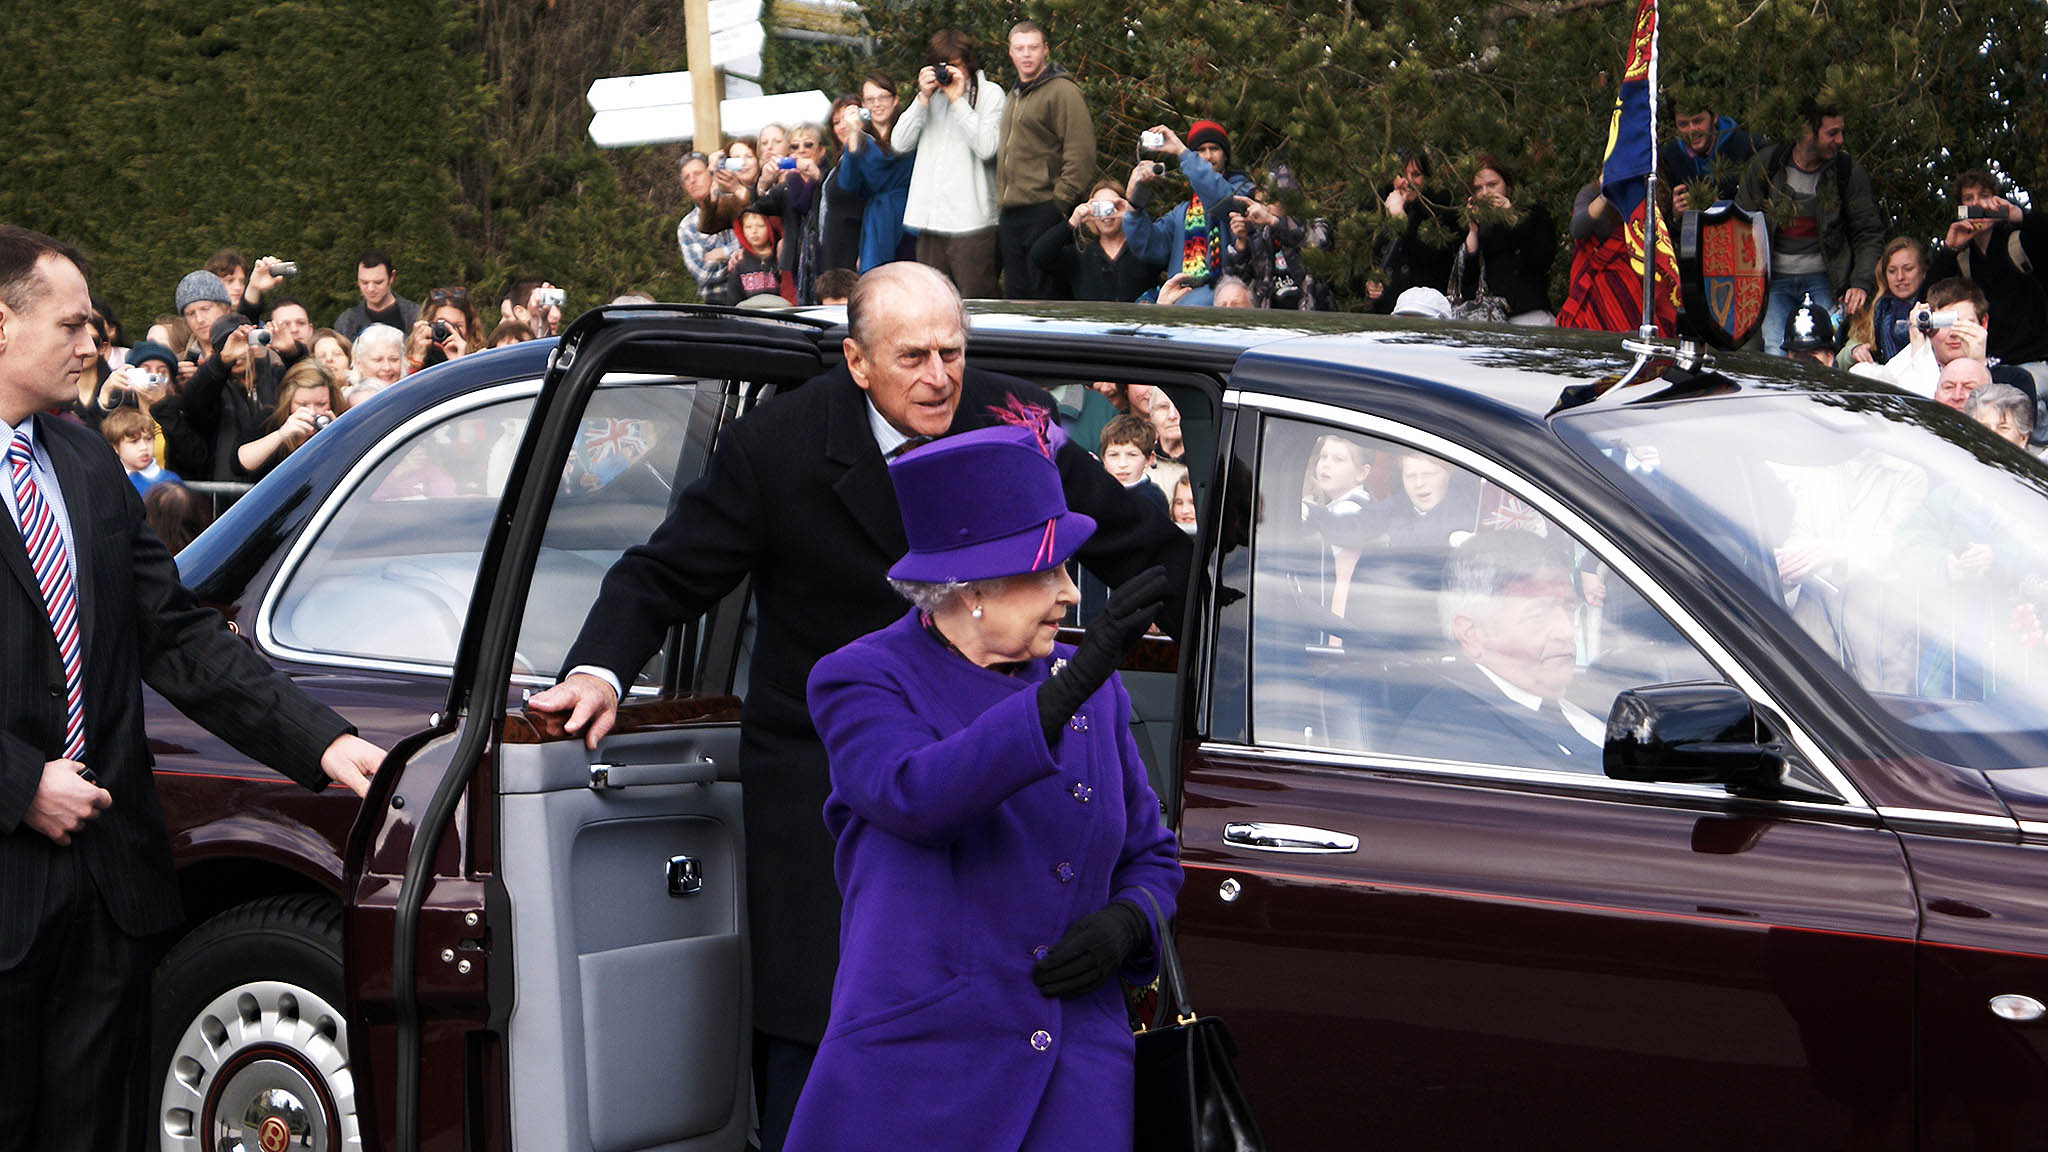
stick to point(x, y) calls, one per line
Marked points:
point(1825, 232)
point(1045, 163)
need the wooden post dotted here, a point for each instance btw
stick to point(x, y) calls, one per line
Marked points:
point(705, 83)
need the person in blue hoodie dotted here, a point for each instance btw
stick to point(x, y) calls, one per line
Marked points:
point(1703, 140)
point(874, 171)
point(1190, 238)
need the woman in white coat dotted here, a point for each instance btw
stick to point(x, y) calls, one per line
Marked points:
point(954, 125)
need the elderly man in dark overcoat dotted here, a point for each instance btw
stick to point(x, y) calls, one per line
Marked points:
point(798, 497)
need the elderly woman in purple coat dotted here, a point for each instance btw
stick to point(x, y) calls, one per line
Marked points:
point(995, 830)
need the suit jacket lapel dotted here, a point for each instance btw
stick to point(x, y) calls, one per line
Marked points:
point(14, 553)
point(850, 443)
point(75, 478)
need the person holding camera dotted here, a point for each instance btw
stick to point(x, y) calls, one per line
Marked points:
point(1264, 253)
point(1998, 246)
point(308, 399)
point(1953, 324)
point(443, 330)
point(231, 394)
point(796, 191)
point(878, 172)
point(734, 173)
point(954, 126)
point(248, 285)
point(1189, 239)
point(1091, 258)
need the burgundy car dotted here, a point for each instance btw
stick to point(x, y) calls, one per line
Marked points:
point(1771, 880)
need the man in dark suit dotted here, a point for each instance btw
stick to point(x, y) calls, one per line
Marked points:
point(798, 496)
point(1508, 604)
point(90, 607)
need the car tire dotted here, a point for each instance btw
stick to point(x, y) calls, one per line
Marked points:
point(249, 1044)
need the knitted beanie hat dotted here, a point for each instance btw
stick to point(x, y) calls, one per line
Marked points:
point(1209, 132)
point(201, 285)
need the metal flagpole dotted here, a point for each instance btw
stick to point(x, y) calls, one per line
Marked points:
point(1648, 328)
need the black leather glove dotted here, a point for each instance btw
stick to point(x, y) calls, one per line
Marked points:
point(1092, 950)
point(1112, 636)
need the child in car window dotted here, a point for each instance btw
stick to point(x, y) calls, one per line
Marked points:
point(1127, 444)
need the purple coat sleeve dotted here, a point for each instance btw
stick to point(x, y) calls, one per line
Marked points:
point(892, 768)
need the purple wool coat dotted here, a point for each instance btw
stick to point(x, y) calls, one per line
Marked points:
point(966, 848)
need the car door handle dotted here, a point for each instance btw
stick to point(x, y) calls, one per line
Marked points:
point(1266, 837)
point(611, 777)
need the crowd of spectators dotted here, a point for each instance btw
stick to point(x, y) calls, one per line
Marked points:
point(236, 377)
point(999, 189)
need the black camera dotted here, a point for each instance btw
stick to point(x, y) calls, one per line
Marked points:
point(943, 73)
point(439, 330)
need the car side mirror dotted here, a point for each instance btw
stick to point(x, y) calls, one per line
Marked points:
point(1705, 732)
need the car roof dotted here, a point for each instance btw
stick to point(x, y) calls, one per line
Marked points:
point(1320, 356)
point(1324, 356)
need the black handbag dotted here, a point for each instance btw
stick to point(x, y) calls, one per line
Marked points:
point(1187, 1094)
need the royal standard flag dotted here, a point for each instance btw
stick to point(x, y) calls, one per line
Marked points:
point(1607, 276)
point(1631, 155)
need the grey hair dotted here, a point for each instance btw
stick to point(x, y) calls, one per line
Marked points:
point(1223, 282)
point(926, 595)
point(377, 334)
point(1484, 565)
point(1995, 399)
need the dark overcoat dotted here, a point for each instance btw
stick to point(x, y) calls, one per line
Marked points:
point(798, 496)
point(137, 623)
point(966, 848)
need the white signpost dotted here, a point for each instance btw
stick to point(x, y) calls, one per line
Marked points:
point(726, 38)
point(618, 127)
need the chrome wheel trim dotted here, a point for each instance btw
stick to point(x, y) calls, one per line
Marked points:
point(280, 1046)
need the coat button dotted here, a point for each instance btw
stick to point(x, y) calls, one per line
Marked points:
point(1079, 723)
point(1083, 793)
point(1064, 871)
point(56, 690)
point(1039, 952)
point(1041, 1040)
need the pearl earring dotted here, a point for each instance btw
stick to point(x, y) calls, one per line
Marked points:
point(977, 612)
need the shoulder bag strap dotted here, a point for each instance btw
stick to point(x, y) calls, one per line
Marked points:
point(1173, 983)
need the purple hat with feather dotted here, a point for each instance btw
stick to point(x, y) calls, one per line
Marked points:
point(983, 504)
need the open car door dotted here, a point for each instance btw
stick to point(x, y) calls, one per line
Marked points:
point(546, 946)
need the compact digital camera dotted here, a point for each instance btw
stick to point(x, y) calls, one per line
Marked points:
point(1152, 139)
point(549, 297)
point(943, 73)
point(1102, 209)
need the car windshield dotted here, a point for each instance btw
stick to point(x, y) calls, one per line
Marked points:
point(1908, 542)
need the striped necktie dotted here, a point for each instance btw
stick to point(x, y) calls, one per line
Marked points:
point(52, 563)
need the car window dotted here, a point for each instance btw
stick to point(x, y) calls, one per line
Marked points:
point(1906, 541)
point(1180, 420)
point(388, 577)
point(1403, 605)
